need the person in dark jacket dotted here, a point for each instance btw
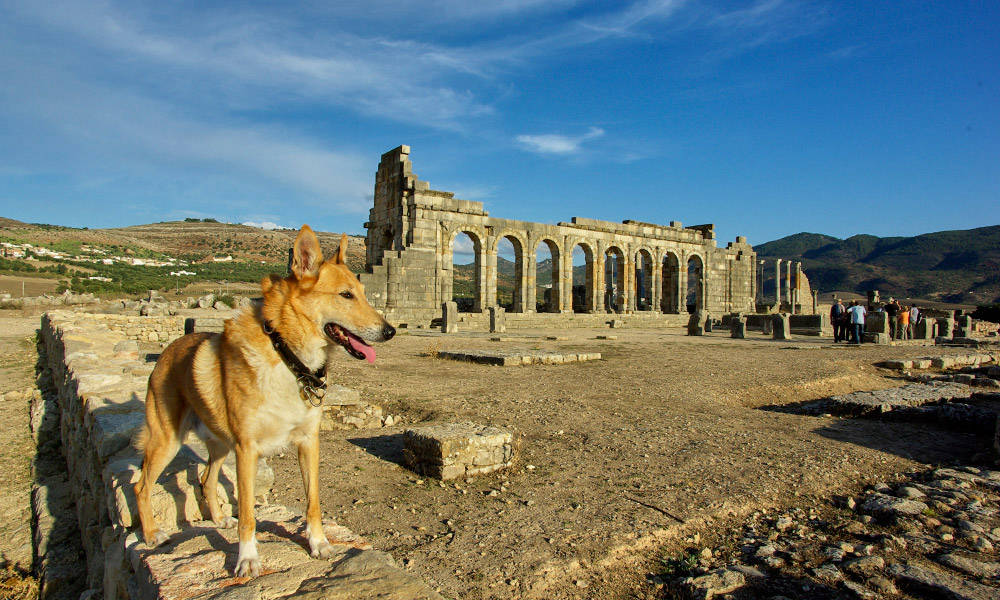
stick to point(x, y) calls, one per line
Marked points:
point(892, 309)
point(838, 314)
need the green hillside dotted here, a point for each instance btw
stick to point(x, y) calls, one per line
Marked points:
point(951, 266)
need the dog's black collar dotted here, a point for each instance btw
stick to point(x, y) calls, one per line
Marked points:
point(313, 383)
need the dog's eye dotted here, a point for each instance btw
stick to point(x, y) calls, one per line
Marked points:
point(347, 294)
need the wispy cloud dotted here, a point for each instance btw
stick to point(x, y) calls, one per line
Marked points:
point(554, 143)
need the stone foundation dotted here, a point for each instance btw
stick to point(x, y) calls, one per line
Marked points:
point(451, 451)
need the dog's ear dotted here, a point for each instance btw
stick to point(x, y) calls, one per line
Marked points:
point(306, 254)
point(341, 258)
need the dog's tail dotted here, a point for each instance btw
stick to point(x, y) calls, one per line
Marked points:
point(140, 438)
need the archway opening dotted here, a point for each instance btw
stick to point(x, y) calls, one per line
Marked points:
point(671, 293)
point(643, 280)
point(696, 284)
point(510, 274)
point(614, 280)
point(583, 278)
point(547, 277)
point(466, 254)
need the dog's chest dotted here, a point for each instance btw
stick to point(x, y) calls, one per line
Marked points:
point(282, 416)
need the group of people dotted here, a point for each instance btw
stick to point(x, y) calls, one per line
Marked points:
point(849, 321)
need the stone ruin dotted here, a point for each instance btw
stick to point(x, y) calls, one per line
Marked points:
point(655, 272)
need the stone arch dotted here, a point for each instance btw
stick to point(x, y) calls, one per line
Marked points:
point(695, 293)
point(643, 280)
point(549, 299)
point(517, 295)
point(583, 285)
point(615, 291)
point(475, 302)
point(670, 296)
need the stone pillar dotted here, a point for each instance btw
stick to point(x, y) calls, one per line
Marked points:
point(599, 290)
point(498, 320)
point(631, 281)
point(877, 328)
point(965, 326)
point(788, 282)
point(682, 287)
point(738, 326)
point(566, 280)
point(449, 317)
point(696, 323)
point(945, 327)
point(815, 299)
point(531, 282)
point(657, 283)
point(781, 328)
point(490, 293)
point(777, 284)
point(923, 330)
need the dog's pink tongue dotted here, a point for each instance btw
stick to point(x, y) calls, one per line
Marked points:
point(363, 348)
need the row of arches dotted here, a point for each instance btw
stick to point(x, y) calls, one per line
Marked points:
point(662, 287)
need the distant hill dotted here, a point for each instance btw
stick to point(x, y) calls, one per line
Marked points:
point(183, 239)
point(950, 266)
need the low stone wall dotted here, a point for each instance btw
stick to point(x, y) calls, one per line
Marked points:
point(134, 327)
point(98, 384)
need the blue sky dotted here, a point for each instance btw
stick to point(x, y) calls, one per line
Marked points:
point(767, 117)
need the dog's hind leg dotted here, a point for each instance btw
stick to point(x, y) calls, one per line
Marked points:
point(319, 546)
point(161, 439)
point(217, 452)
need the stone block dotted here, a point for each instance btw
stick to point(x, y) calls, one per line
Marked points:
point(449, 451)
point(921, 363)
point(781, 327)
point(923, 330)
point(698, 323)
point(498, 321)
point(449, 317)
point(738, 327)
point(944, 328)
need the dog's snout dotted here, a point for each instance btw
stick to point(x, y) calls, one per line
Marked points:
point(388, 331)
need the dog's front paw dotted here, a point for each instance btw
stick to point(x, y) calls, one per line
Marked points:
point(248, 567)
point(320, 548)
point(248, 561)
point(226, 523)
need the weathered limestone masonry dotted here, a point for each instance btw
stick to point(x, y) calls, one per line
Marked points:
point(411, 235)
point(99, 383)
point(142, 329)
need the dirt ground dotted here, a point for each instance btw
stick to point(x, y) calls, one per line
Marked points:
point(619, 459)
point(17, 369)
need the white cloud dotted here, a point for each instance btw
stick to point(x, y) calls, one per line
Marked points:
point(554, 143)
point(268, 225)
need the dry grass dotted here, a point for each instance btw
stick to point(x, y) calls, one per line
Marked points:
point(17, 586)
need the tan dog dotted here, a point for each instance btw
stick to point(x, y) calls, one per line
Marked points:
point(237, 391)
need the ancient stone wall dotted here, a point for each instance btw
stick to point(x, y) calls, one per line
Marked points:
point(659, 269)
point(142, 329)
point(98, 380)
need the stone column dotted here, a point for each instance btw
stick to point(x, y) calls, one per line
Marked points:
point(490, 295)
point(788, 281)
point(657, 283)
point(566, 280)
point(449, 317)
point(682, 285)
point(777, 283)
point(630, 281)
point(599, 279)
point(531, 281)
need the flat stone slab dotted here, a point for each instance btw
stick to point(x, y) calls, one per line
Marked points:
point(607, 337)
point(507, 358)
point(940, 583)
point(198, 563)
point(452, 450)
point(910, 395)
